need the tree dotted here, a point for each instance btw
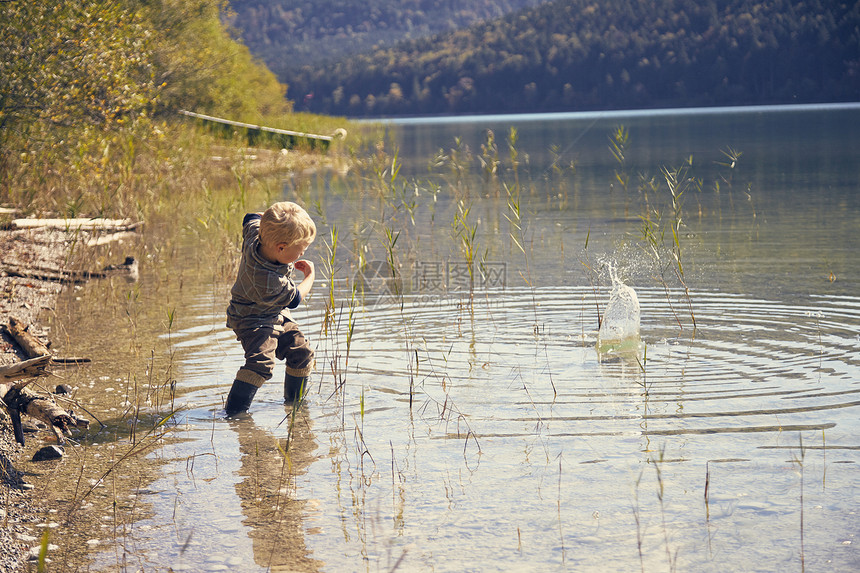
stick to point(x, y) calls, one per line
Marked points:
point(73, 62)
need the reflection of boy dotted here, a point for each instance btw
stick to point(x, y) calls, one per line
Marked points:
point(261, 297)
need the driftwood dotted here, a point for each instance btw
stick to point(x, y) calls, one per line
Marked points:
point(41, 273)
point(70, 360)
point(33, 347)
point(82, 224)
point(25, 369)
point(18, 399)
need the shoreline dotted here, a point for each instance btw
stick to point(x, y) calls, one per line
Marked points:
point(29, 287)
point(25, 299)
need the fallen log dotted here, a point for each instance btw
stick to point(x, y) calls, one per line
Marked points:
point(32, 346)
point(18, 399)
point(81, 224)
point(26, 369)
point(46, 274)
point(70, 360)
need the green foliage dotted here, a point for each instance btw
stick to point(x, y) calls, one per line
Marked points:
point(73, 63)
point(202, 68)
point(614, 54)
point(100, 62)
point(89, 91)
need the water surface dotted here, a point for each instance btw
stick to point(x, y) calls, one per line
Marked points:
point(483, 432)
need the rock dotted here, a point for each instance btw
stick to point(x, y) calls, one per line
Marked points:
point(49, 453)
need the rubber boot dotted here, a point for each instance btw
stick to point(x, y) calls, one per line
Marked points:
point(294, 388)
point(240, 397)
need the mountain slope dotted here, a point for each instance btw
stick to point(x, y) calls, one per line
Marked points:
point(613, 54)
point(288, 34)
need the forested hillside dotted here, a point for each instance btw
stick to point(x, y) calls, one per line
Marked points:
point(288, 34)
point(612, 54)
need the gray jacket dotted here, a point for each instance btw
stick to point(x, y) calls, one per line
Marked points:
point(264, 291)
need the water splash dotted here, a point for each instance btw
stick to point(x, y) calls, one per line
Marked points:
point(619, 330)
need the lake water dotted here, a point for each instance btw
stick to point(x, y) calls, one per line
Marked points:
point(469, 424)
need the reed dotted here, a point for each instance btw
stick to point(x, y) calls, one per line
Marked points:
point(390, 238)
point(459, 160)
point(727, 176)
point(798, 461)
point(42, 561)
point(637, 518)
point(558, 509)
point(707, 491)
point(592, 274)
point(514, 215)
point(667, 253)
point(729, 165)
point(465, 231)
point(657, 463)
point(618, 147)
point(329, 274)
point(514, 157)
point(489, 159)
point(679, 182)
point(558, 173)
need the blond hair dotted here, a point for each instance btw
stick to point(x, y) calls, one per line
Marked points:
point(286, 222)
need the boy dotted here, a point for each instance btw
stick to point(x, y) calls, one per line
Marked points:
point(272, 245)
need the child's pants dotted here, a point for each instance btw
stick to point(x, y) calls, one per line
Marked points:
point(262, 345)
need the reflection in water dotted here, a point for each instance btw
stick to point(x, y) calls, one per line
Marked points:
point(268, 493)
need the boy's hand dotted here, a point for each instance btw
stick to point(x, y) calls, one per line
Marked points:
point(305, 267)
point(307, 283)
